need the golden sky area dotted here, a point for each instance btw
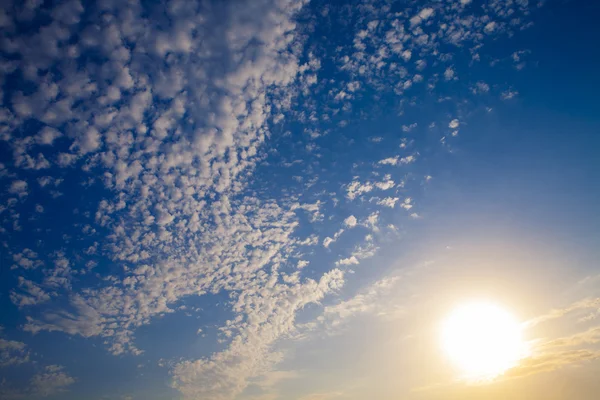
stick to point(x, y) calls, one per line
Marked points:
point(385, 341)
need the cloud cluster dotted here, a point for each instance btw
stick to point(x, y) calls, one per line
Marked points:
point(49, 381)
point(13, 352)
point(163, 111)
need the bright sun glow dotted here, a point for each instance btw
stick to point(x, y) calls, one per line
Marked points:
point(482, 339)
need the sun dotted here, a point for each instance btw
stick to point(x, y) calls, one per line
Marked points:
point(482, 339)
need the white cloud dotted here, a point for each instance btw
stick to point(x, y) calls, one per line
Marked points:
point(53, 380)
point(47, 136)
point(407, 203)
point(49, 182)
point(480, 87)
point(13, 352)
point(509, 94)
point(426, 13)
point(18, 188)
point(371, 221)
point(328, 240)
point(350, 222)
point(389, 161)
point(161, 177)
point(312, 208)
point(490, 27)
point(408, 128)
point(66, 159)
point(423, 15)
point(454, 124)
point(371, 299)
point(356, 189)
point(88, 142)
point(27, 259)
point(388, 202)
point(225, 374)
point(29, 293)
point(397, 160)
point(386, 184)
point(352, 260)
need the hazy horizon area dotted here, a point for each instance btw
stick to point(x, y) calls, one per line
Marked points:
point(299, 200)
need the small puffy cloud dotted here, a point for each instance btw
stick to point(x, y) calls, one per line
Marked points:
point(12, 353)
point(314, 209)
point(408, 128)
point(327, 241)
point(509, 94)
point(371, 221)
point(490, 27)
point(480, 88)
point(18, 188)
point(347, 261)
point(89, 142)
point(51, 381)
point(27, 259)
point(449, 73)
point(386, 184)
point(388, 202)
point(426, 13)
point(66, 159)
point(423, 15)
point(357, 188)
point(47, 136)
point(44, 181)
point(454, 124)
point(29, 293)
point(397, 160)
point(389, 161)
point(350, 222)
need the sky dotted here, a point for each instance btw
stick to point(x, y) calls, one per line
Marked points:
point(282, 199)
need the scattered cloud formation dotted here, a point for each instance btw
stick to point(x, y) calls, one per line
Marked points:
point(13, 352)
point(50, 381)
point(163, 153)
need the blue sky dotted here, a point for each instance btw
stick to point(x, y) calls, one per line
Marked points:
point(280, 199)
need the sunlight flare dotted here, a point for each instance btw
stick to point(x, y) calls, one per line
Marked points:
point(482, 339)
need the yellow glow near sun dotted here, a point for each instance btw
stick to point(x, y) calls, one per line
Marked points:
point(483, 340)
